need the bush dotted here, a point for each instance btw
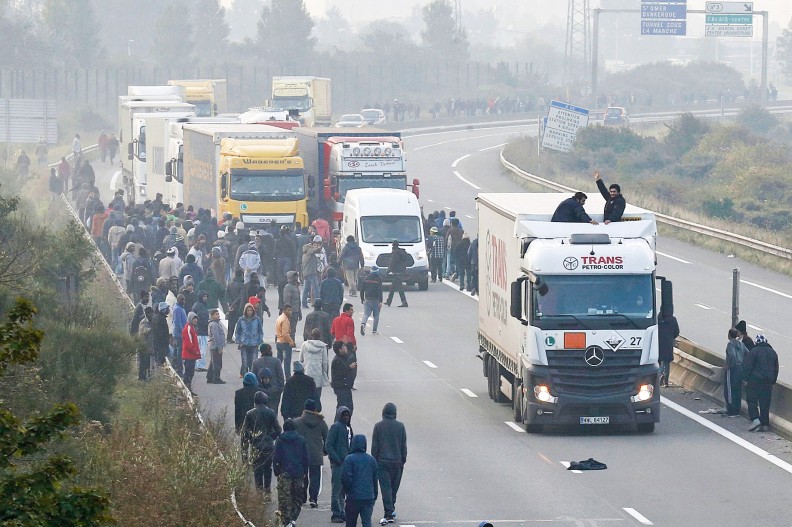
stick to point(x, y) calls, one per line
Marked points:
point(757, 119)
point(684, 133)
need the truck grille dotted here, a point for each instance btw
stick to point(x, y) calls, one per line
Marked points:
point(571, 375)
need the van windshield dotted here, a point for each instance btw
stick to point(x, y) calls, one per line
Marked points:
point(387, 229)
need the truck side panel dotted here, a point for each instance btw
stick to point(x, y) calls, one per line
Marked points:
point(200, 170)
point(322, 103)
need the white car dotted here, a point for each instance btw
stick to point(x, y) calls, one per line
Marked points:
point(373, 116)
point(351, 120)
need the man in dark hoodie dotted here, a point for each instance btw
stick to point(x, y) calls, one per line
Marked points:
point(342, 375)
point(318, 319)
point(244, 399)
point(290, 464)
point(389, 448)
point(260, 429)
point(397, 270)
point(760, 371)
point(161, 333)
point(235, 300)
point(298, 389)
point(337, 448)
point(359, 479)
point(331, 291)
point(312, 427)
point(201, 309)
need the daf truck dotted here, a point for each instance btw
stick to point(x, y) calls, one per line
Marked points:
point(210, 96)
point(567, 314)
point(345, 160)
point(252, 171)
point(305, 98)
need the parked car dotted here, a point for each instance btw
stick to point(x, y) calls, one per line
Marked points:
point(616, 116)
point(351, 120)
point(373, 116)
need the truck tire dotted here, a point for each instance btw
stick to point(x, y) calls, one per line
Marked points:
point(488, 374)
point(423, 283)
point(497, 371)
point(533, 428)
point(646, 428)
point(517, 401)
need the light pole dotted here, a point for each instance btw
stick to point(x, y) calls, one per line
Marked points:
point(129, 47)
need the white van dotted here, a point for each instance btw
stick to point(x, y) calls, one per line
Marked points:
point(376, 217)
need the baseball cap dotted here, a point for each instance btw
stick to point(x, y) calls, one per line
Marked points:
point(317, 239)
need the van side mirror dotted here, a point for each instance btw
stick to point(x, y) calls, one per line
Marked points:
point(169, 169)
point(515, 307)
point(224, 186)
point(311, 182)
point(131, 149)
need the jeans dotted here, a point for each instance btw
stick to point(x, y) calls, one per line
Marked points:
point(248, 354)
point(318, 398)
point(284, 265)
point(189, 372)
point(144, 365)
point(203, 344)
point(758, 396)
point(337, 494)
point(362, 508)
point(389, 476)
point(344, 398)
point(436, 268)
point(462, 274)
point(311, 286)
point(114, 257)
point(284, 350)
point(450, 264)
point(312, 482)
point(176, 357)
point(215, 365)
point(371, 307)
point(333, 309)
point(732, 390)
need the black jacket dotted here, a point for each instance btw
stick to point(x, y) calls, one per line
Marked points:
point(298, 389)
point(371, 289)
point(200, 309)
point(760, 365)
point(244, 402)
point(399, 261)
point(318, 319)
point(160, 332)
point(291, 455)
point(341, 375)
point(260, 429)
point(571, 211)
point(338, 438)
point(614, 207)
point(389, 440)
point(667, 331)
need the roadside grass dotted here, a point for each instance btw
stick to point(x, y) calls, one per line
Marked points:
point(523, 154)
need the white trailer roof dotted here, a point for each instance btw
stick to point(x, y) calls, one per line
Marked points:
point(226, 127)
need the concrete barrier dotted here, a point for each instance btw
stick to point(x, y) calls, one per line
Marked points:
point(699, 369)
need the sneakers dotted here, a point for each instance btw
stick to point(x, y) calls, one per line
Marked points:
point(362, 329)
point(756, 423)
point(403, 305)
point(314, 504)
point(337, 519)
point(384, 521)
point(374, 332)
point(391, 518)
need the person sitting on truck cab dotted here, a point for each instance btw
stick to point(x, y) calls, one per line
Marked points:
point(571, 210)
point(614, 201)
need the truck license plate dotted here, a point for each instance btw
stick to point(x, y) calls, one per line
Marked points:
point(595, 420)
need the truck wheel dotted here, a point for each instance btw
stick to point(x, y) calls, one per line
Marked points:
point(488, 373)
point(646, 428)
point(423, 283)
point(517, 402)
point(496, 382)
point(533, 428)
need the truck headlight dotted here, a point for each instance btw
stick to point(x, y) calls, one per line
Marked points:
point(420, 255)
point(645, 392)
point(542, 393)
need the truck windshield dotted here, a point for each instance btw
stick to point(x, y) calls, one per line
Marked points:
point(387, 229)
point(203, 108)
point(346, 184)
point(267, 185)
point(291, 103)
point(594, 302)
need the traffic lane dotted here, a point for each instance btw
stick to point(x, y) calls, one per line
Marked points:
point(680, 450)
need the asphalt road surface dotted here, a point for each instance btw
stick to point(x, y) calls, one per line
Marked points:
point(467, 462)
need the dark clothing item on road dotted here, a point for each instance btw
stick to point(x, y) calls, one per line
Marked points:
point(570, 211)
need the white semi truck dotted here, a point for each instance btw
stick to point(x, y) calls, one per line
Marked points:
point(567, 314)
point(306, 98)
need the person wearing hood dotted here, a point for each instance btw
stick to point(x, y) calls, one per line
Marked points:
point(250, 261)
point(732, 379)
point(217, 263)
point(214, 290)
point(159, 292)
point(343, 371)
point(667, 332)
point(244, 398)
point(462, 261)
point(235, 301)
point(201, 309)
point(267, 361)
point(371, 296)
point(312, 427)
point(318, 319)
point(147, 348)
point(191, 268)
point(188, 290)
point(389, 448)
point(742, 327)
point(290, 464)
point(160, 330)
point(331, 291)
point(217, 342)
point(359, 479)
point(298, 389)
point(397, 269)
point(352, 260)
point(169, 266)
point(191, 350)
point(268, 385)
point(337, 448)
point(760, 371)
point(248, 334)
point(257, 437)
point(313, 355)
point(179, 321)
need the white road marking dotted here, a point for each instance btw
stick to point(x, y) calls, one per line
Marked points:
point(756, 328)
point(673, 257)
point(114, 179)
point(430, 364)
point(492, 147)
point(739, 441)
point(566, 465)
point(702, 306)
point(468, 393)
point(456, 161)
point(763, 288)
point(469, 216)
point(447, 207)
point(514, 426)
point(430, 200)
point(397, 340)
point(457, 174)
point(637, 515)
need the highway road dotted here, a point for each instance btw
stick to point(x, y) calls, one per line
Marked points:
point(468, 461)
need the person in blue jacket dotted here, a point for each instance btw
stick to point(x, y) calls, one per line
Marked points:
point(290, 464)
point(359, 480)
point(571, 210)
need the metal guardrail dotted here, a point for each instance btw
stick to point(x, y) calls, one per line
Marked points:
point(737, 239)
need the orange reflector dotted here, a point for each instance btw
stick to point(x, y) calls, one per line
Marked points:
point(574, 341)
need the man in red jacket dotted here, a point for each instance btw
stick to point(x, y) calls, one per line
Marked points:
point(343, 327)
point(191, 351)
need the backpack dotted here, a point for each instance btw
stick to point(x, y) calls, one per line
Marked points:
point(142, 277)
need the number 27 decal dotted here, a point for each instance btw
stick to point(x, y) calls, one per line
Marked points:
point(635, 341)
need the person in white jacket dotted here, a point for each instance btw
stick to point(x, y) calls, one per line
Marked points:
point(250, 261)
point(313, 355)
point(170, 265)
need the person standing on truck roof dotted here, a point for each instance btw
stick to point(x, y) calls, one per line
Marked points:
point(614, 201)
point(571, 210)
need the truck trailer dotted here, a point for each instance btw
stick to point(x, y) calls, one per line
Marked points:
point(252, 171)
point(305, 98)
point(210, 96)
point(567, 317)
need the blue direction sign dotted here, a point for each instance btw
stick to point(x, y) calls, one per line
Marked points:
point(664, 17)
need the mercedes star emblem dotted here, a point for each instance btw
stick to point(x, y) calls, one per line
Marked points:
point(570, 263)
point(594, 356)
